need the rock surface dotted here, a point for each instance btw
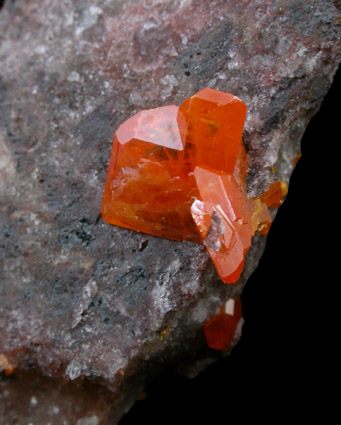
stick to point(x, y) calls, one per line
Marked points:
point(91, 311)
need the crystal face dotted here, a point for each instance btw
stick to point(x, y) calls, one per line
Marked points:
point(180, 173)
point(220, 329)
point(273, 196)
point(215, 123)
point(146, 188)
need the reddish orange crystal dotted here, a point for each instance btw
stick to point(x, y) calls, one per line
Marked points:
point(230, 211)
point(296, 159)
point(215, 122)
point(180, 173)
point(220, 329)
point(273, 196)
point(143, 188)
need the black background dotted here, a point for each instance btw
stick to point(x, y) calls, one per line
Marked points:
point(282, 367)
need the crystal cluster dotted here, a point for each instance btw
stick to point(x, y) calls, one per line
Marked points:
point(180, 173)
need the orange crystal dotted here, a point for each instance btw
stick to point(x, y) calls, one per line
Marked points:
point(5, 365)
point(230, 211)
point(273, 196)
point(180, 173)
point(215, 122)
point(143, 189)
point(220, 329)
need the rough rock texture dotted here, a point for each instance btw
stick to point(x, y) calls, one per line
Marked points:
point(89, 309)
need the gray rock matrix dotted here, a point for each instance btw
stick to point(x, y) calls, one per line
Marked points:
point(90, 312)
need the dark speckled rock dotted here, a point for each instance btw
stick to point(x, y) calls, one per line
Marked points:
point(88, 309)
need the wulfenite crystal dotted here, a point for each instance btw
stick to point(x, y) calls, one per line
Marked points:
point(221, 328)
point(180, 173)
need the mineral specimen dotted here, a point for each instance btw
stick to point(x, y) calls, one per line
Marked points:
point(69, 76)
point(180, 173)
